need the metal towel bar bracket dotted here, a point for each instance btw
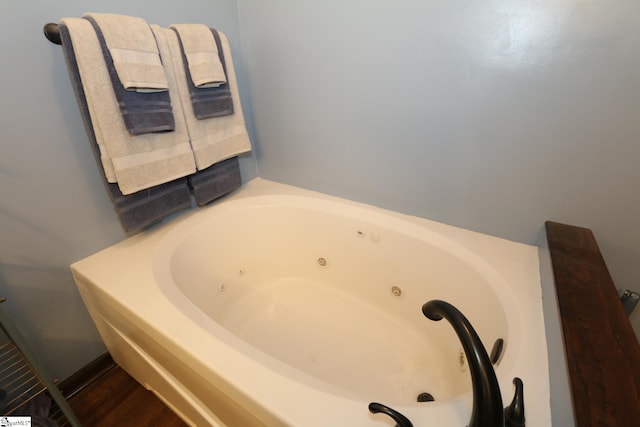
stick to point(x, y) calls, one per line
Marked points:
point(51, 33)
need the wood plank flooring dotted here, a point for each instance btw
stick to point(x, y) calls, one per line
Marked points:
point(105, 395)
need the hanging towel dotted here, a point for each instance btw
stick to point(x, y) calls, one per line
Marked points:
point(215, 181)
point(214, 139)
point(134, 162)
point(213, 100)
point(147, 207)
point(133, 51)
point(201, 51)
point(139, 210)
point(135, 71)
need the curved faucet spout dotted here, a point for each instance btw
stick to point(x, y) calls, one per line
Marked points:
point(400, 419)
point(487, 401)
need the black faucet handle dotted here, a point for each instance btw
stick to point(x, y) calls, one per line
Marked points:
point(514, 413)
point(401, 420)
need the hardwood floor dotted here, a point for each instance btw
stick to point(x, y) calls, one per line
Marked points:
point(103, 395)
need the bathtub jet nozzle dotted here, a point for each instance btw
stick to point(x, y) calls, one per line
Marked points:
point(487, 408)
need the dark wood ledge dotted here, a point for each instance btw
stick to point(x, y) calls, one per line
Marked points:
point(603, 354)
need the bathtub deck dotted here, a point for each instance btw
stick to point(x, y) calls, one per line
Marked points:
point(102, 394)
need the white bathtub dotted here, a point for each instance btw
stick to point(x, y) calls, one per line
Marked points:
point(283, 307)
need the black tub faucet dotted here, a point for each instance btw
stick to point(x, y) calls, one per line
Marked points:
point(487, 401)
point(401, 420)
point(514, 413)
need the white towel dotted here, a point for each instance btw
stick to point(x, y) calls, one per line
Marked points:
point(214, 139)
point(202, 55)
point(134, 51)
point(134, 162)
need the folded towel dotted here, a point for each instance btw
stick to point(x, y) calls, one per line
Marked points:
point(207, 101)
point(201, 52)
point(139, 210)
point(133, 50)
point(145, 104)
point(215, 181)
point(214, 139)
point(134, 162)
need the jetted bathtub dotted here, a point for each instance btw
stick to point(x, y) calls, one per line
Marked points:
point(279, 306)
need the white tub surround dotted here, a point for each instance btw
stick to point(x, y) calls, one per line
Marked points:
point(279, 306)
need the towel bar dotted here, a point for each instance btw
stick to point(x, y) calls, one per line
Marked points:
point(51, 33)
